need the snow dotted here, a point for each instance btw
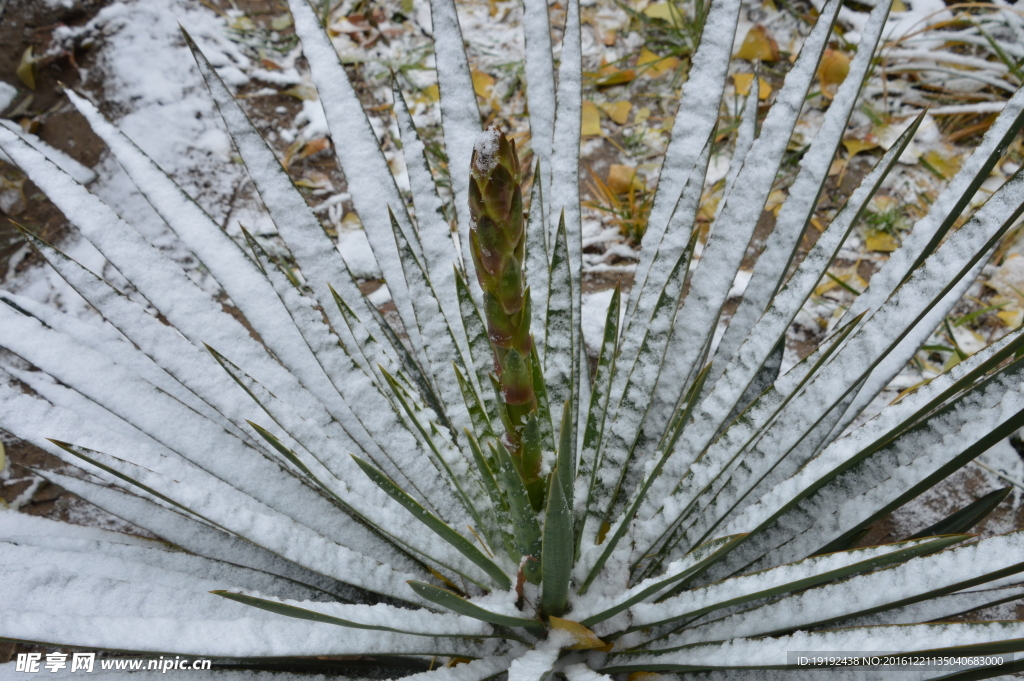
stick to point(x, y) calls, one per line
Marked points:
point(485, 150)
point(594, 312)
point(354, 247)
point(318, 383)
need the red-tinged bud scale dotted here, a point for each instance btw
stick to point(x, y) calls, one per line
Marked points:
point(498, 244)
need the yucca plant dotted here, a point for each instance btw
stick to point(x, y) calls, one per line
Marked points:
point(461, 491)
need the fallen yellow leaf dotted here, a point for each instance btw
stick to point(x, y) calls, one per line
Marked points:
point(659, 10)
point(609, 75)
point(743, 82)
point(313, 146)
point(26, 69)
point(832, 71)
point(854, 146)
point(301, 91)
point(429, 94)
point(591, 120)
point(758, 44)
point(618, 111)
point(947, 166)
point(1011, 318)
point(483, 84)
point(708, 206)
point(775, 201)
point(585, 638)
point(847, 276)
point(644, 676)
point(837, 167)
point(641, 115)
point(656, 65)
point(881, 241)
point(622, 178)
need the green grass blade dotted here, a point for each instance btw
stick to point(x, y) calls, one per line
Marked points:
point(457, 604)
point(312, 615)
point(967, 517)
point(692, 564)
point(558, 357)
point(557, 551)
point(597, 414)
point(524, 521)
point(498, 501)
point(463, 545)
point(783, 579)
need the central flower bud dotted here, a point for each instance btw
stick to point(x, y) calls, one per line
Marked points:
point(498, 245)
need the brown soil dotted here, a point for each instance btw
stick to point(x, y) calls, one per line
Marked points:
point(42, 110)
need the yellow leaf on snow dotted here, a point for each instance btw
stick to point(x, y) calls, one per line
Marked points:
point(645, 676)
point(483, 84)
point(743, 82)
point(1011, 318)
point(429, 94)
point(26, 69)
point(758, 44)
point(854, 146)
point(609, 75)
point(655, 65)
point(775, 201)
point(585, 638)
point(659, 10)
point(618, 111)
point(591, 120)
point(847, 276)
point(314, 146)
point(302, 91)
point(881, 241)
point(622, 178)
point(832, 71)
point(947, 166)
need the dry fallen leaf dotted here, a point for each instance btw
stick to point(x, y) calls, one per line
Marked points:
point(775, 201)
point(945, 165)
point(846, 275)
point(758, 44)
point(302, 91)
point(26, 69)
point(618, 111)
point(609, 75)
point(661, 10)
point(854, 145)
point(655, 65)
point(877, 240)
point(585, 638)
point(429, 94)
point(622, 178)
point(743, 82)
point(483, 84)
point(832, 71)
point(313, 146)
point(591, 120)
